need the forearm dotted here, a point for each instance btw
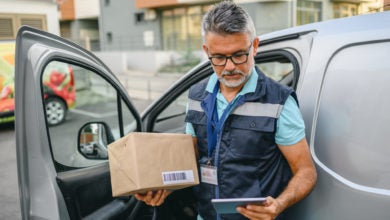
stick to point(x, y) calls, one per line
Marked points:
point(300, 185)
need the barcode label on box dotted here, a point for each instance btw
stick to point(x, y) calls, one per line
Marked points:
point(174, 177)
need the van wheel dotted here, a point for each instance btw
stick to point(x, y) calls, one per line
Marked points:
point(55, 111)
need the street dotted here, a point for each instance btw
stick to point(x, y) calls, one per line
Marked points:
point(9, 192)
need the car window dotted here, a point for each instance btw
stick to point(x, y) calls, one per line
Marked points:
point(277, 70)
point(171, 119)
point(353, 140)
point(279, 66)
point(73, 97)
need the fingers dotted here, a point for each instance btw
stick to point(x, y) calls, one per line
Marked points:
point(265, 211)
point(153, 198)
point(147, 197)
point(269, 201)
point(159, 197)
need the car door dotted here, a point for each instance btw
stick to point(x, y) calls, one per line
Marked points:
point(58, 177)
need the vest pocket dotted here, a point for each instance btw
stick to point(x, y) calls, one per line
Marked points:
point(259, 124)
point(250, 137)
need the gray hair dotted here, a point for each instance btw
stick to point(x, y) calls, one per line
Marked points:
point(227, 18)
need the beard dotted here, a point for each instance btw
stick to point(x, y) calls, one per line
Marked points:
point(234, 83)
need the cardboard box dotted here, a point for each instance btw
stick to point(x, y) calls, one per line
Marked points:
point(140, 162)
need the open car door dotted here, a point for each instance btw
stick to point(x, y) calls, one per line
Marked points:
point(60, 167)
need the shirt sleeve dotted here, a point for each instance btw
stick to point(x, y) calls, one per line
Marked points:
point(290, 127)
point(189, 128)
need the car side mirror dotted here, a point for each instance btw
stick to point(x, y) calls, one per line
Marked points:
point(94, 137)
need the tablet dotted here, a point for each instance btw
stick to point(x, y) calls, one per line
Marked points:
point(223, 206)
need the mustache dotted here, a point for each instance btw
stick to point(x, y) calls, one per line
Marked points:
point(228, 73)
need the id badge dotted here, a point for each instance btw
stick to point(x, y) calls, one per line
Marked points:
point(208, 174)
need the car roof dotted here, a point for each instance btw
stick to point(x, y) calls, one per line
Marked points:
point(359, 23)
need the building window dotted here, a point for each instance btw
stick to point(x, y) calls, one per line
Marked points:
point(377, 9)
point(181, 27)
point(308, 12)
point(65, 29)
point(139, 17)
point(341, 10)
point(10, 23)
point(109, 37)
point(7, 30)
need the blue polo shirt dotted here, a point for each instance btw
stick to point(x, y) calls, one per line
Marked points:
point(290, 127)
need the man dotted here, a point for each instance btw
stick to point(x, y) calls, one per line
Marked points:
point(253, 148)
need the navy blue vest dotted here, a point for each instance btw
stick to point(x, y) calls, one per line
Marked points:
point(248, 160)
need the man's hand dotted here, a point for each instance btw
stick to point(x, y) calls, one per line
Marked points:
point(269, 210)
point(153, 198)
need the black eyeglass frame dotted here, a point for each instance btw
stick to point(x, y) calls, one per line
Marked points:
point(231, 57)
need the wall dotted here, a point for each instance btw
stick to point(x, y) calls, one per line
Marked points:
point(47, 7)
point(270, 16)
point(148, 61)
point(86, 33)
point(118, 18)
point(87, 9)
point(116, 61)
point(67, 10)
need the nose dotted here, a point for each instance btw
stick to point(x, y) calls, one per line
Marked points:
point(229, 64)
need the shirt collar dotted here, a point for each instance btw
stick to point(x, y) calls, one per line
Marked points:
point(250, 85)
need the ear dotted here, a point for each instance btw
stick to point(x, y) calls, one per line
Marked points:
point(256, 42)
point(205, 49)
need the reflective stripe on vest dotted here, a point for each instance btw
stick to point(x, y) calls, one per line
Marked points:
point(256, 109)
point(194, 105)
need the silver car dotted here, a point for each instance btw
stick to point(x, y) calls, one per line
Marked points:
point(340, 70)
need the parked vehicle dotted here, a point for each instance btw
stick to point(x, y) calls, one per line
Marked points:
point(58, 87)
point(337, 67)
point(6, 82)
point(59, 91)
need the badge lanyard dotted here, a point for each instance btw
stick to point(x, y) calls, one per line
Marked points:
point(214, 125)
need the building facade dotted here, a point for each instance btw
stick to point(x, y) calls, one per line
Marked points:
point(175, 24)
point(41, 14)
point(386, 5)
point(79, 22)
point(130, 29)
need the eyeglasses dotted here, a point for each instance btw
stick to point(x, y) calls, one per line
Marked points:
point(238, 58)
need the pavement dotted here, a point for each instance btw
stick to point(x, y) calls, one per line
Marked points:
point(9, 191)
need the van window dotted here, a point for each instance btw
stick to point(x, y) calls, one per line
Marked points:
point(75, 98)
point(351, 135)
